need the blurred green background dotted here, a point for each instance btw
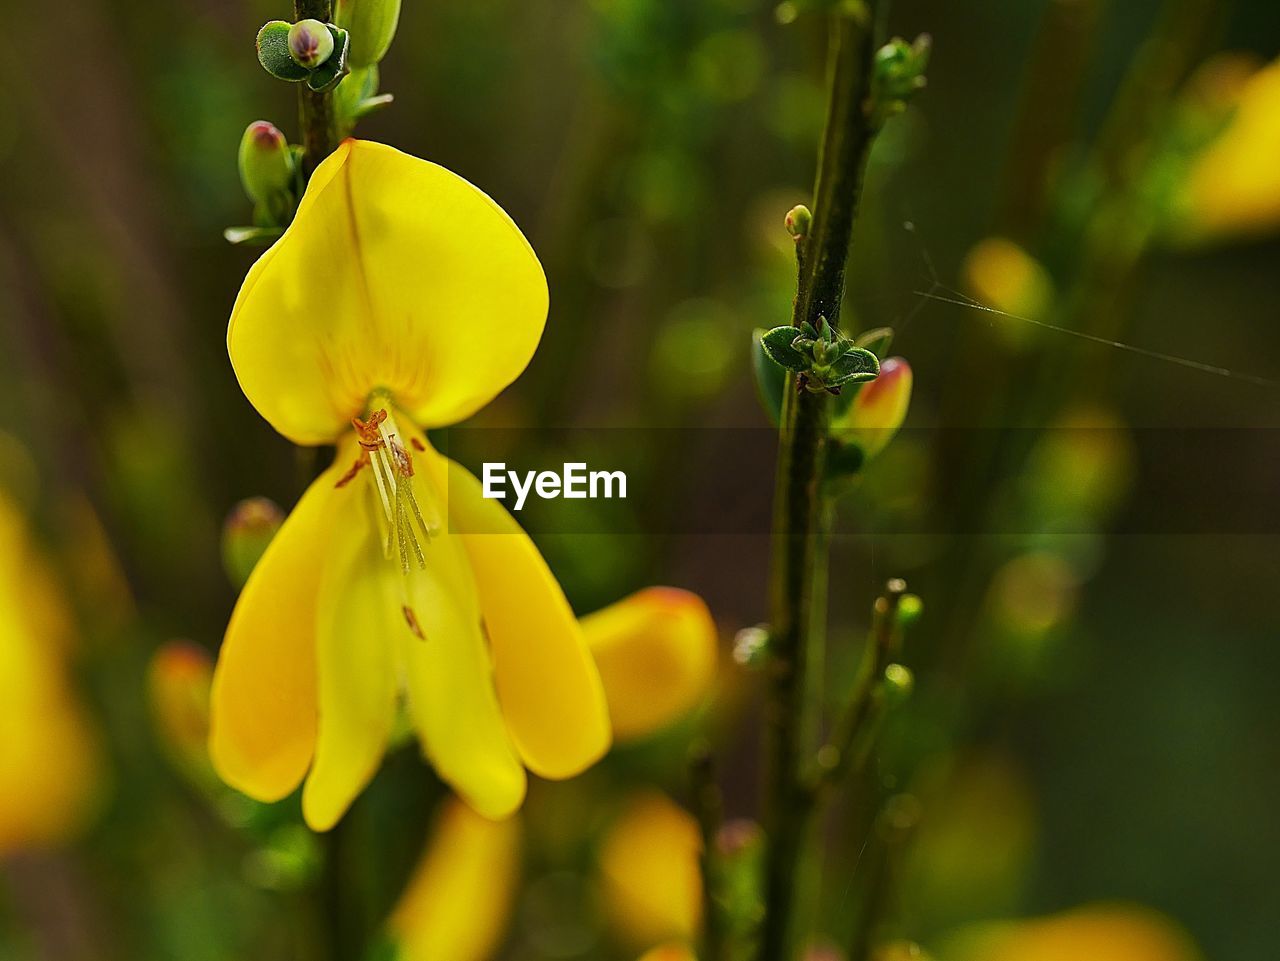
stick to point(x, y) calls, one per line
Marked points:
point(1108, 703)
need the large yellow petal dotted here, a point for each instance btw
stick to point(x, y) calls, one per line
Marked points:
point(458, 901)
point(450, 678)
point(547, 684)
point(394, 274)
point(656, 651)
point(263, 703)
point(356, 674)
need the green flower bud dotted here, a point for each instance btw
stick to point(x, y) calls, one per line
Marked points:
point(248, 530)
point(266, 163)
point(798, 221)
point(372, 25)
point(310, 43)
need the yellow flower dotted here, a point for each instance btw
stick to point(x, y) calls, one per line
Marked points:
point(458, 902)
point(650, 872)
point(670, 952)
point(1003, 275)
point(1102, 932)
point(656, 651)
point(50, 768)
point(400, 298)
point(1234, 186)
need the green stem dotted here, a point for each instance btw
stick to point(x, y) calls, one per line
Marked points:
point(853, 734)
point(801, 459)
point(709, 806)
point(315, 110)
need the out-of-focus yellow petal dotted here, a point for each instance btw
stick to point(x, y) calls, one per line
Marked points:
point(356, 675)
point(1234, 187)
point(1003, 275)
point(394, 274)
point(1103, 932)
point(656, 652)
point(649, 864)
point(50, 767)
point(450, 678)
point(670, 952)
point(263, 706)
point(547, 683)
point(458, 901)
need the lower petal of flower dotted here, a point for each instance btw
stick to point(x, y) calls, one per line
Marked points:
point(263, 702)
point(449, 677)
point(357, 621)
point(547, 683)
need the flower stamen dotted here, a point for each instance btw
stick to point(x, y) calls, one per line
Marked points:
point(392, 467)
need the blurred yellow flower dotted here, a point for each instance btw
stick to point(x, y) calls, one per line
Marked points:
point(649, 867)
point(1234, 185)
point(1001, 274)
point(50, 768)
point(1103, 932)
point(400, 298)
point(656, 652)
point(458, 901)
point(670, 952)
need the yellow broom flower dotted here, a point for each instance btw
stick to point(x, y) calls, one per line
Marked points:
point(401, 298)
point(458, 902)
point(50, 765)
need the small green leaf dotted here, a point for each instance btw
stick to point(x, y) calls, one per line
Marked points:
point(273, 52)
point(335, 68)
point(778, 344)
point(252, 236)
point(809, 330)
point(771, 379)
point(878, 340)
point(855, 367)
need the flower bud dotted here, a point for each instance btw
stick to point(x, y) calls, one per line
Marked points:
point(310, 43)
point(798, 221)
point(266, 163)
point(178, 681)
point(879, 408)
point(248, 530)
point(372, 25)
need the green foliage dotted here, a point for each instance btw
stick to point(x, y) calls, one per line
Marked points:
point(277, 57)
point(826, 358)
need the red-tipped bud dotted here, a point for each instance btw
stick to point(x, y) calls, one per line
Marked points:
point(178, 682)
point(266, 165)
point(310, 43)
point(798, 221)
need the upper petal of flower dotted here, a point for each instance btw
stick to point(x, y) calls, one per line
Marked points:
point(394, 274)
